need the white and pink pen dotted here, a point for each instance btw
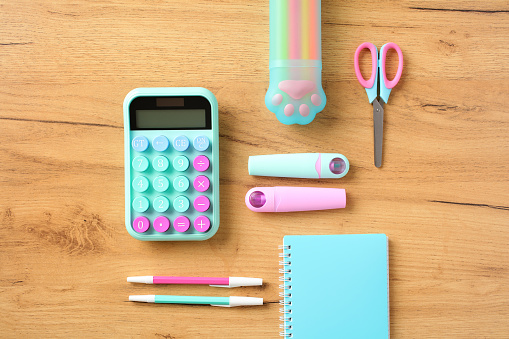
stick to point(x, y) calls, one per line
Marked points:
point(216, 282)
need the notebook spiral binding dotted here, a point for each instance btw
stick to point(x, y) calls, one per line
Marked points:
point(286, 302)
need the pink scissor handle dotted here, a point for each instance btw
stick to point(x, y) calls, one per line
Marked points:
point(390, 84)
point(374, 64)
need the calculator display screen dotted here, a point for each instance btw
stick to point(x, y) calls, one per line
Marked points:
point(170, 119)
point(170, 113)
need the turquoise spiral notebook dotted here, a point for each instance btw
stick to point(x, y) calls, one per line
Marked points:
point(335, 286)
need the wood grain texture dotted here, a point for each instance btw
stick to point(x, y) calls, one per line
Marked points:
point(441, 195)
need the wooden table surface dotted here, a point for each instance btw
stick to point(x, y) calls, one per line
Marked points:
point(441, 195)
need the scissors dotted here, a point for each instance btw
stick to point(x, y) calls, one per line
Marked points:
point(371, 86)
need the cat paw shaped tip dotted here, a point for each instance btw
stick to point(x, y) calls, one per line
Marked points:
point(295, 101)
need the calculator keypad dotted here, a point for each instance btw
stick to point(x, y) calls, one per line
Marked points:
point(172, 192)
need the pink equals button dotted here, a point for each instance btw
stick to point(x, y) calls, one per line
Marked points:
point(201, 163)
point(181, 224)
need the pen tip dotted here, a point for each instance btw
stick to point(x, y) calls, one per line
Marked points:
point(142, 280)
point(142, 298)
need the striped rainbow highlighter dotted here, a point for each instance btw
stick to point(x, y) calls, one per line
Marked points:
point(295, 92)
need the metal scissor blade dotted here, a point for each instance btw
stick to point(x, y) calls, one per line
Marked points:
point(378, 129)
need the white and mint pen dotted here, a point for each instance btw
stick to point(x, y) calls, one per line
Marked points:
point(193, 300)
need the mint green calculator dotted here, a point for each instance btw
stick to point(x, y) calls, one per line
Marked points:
point(171, 164)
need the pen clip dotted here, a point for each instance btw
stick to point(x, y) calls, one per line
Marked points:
point(221, 305)
point(227, 286)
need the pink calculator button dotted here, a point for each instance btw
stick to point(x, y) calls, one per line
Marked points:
point(201, 183)
point(201, 203)
point(161, 224)
point(201, 163)
point(141, 224)
point(181, 224)
point(202, 223)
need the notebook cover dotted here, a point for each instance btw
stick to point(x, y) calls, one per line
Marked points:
point(336, 286)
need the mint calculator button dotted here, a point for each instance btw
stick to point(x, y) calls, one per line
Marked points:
point(140, 184)
point(161, 204)
point(140, 163)
point(181, 143)
point(181, 204)
point(160, 163)
point(140, 143)
point(160, 143)
point(140, 204)
point(181, 163)
point(181, 183)
point(161, 183)
point(201, 143)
